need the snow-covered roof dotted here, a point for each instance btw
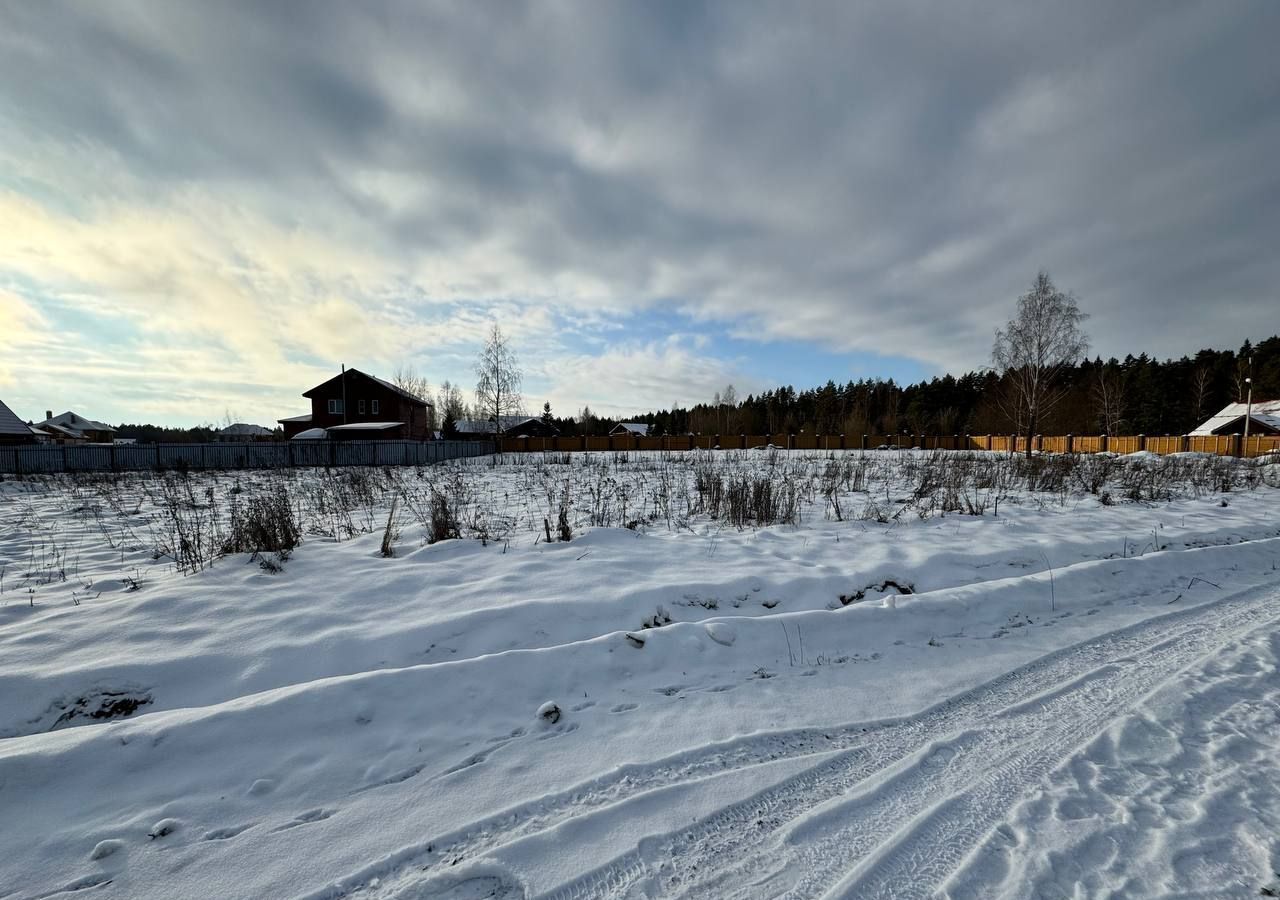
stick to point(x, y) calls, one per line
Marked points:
point(243, 429)
point(311, 434)
point(303, 418)
point(76, 422)
point(1267, 412)
point(486, 426)
point(640, 428)
point(11, 425)
point(365, 426)
point(54, 430)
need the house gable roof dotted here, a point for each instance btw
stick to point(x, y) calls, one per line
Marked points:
point(11, 425)
point(386, 384)
point(485, 426)
point(243, 428)
point(640, 428)
point(1265, 412)
point(75, 422)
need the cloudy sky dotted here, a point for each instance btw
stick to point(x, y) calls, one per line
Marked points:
point(207, 207)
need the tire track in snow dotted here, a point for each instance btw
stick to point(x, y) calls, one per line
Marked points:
point(871, 748)
point(904, 833)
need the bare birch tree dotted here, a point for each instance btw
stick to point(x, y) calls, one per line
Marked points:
point(406, 378)
point(1033, 350)
point(498, 379)
point(1108, 398)
point(1201, 382)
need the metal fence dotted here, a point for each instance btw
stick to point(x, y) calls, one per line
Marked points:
point(27, 459)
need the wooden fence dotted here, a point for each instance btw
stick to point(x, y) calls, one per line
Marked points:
point(27, 459)
point(1221, 445)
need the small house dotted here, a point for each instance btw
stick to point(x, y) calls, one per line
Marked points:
point(242, 432)
point(505, 426)
point(73, 428)
point(1264, 418)
point(639, 429)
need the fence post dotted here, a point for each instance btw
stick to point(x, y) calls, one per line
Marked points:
point(791, 441)
point(1142, 442)
point(157, 455)
point(1071, 443)
point(17, 462)
point(1236, 447)
point(1105, 443)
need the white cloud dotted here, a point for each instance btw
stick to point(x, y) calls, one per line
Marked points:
point(351, 186)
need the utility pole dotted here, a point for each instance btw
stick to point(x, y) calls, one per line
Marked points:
point(1248, 408)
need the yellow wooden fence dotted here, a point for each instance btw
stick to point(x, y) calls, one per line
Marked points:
point(1221, 445)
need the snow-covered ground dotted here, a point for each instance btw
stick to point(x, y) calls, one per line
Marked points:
point(1073, 693)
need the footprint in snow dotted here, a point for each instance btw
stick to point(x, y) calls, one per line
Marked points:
point(312, 815)
point(624, 707)
point(504, 738)
point(261, 787)
point(226, 834)
point(397, 778)
point(559, 730)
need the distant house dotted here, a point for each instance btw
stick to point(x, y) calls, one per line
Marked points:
point(13, 430)
point(507, 426)
point(1264, 418)
point(73, 428)
point(356, 406)
point(639, 429)
point(242, 432)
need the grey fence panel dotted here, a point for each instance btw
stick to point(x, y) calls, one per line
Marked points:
point(311, 453)
point(131, 457)
point(27, 459)
point(88, 458)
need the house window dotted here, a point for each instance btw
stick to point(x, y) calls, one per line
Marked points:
point(362, 407)
point(375, 406)
point(335, 407)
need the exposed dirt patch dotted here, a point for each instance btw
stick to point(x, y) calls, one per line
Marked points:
point(98, 706)
point(902, 587)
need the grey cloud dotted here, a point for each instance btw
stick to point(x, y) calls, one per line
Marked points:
point(884, 176)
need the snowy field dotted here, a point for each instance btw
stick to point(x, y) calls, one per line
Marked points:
point(743, 674)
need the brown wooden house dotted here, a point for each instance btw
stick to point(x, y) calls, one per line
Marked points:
point(356, 406)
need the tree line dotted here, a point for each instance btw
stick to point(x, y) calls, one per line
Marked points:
point(1134, 395)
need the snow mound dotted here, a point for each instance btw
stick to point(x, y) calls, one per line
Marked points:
point(721, 633)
